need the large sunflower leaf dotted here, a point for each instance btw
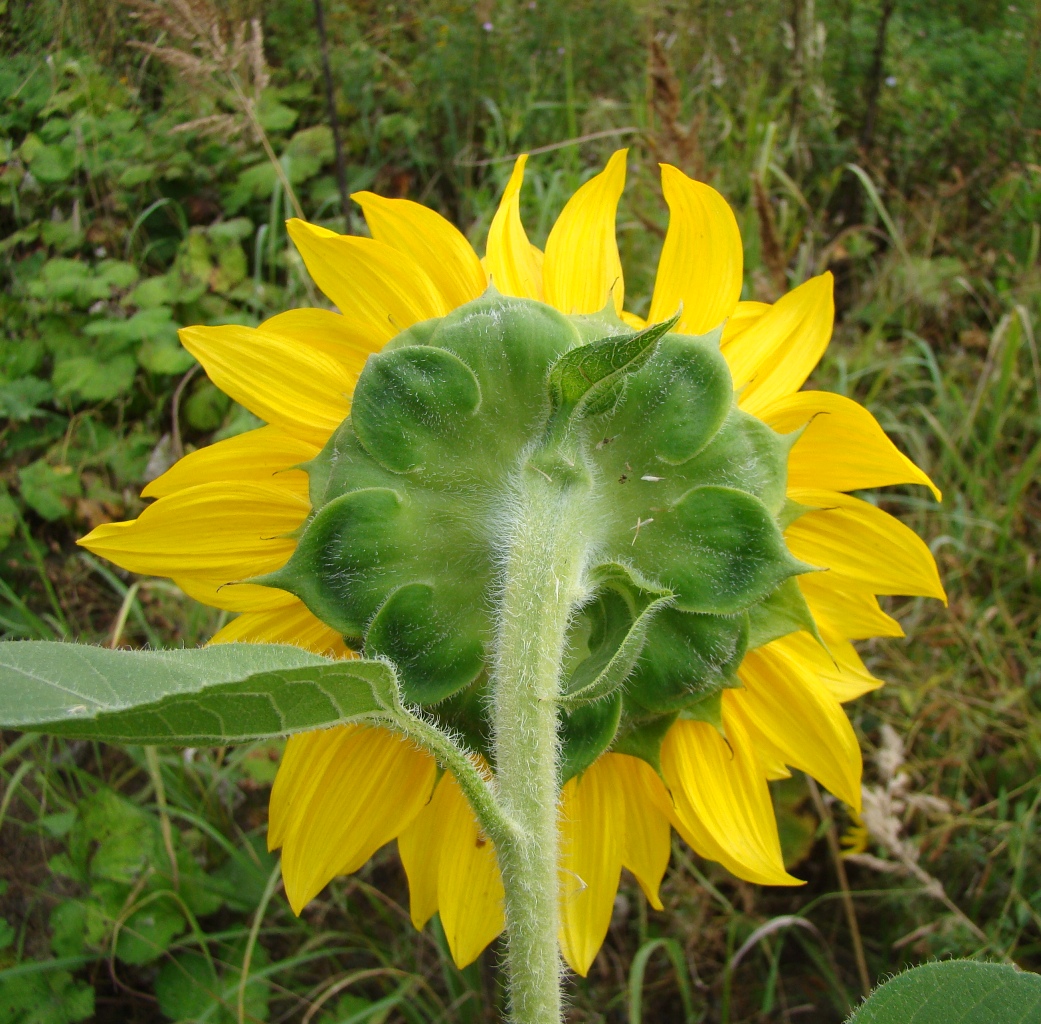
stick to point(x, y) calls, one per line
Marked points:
point(229, 693)
point(955, 992)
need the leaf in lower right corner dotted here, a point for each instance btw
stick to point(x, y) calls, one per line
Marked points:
point(955, 992)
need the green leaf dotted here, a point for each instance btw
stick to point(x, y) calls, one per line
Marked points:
point(587, 380)
point(618, 636)
point(147, 933)
point(687, 657)
point(411, 404)
point(92, 380)
point(48, 490)
point(955, 992)
point(429, 642)
point(785, 611)
point(229, 693)
point(586, 732)
point(53, 164)
point(308, 151)
point(20, 399)
point(44, 997)
point(718, 549)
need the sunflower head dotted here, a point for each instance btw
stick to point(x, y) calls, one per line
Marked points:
point(682, 497)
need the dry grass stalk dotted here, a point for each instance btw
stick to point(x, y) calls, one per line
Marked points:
point(669, 138)
point(885, 812)
point(215, 54)
point(772, 250)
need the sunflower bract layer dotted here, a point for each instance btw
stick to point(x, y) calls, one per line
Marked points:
point(684, 496)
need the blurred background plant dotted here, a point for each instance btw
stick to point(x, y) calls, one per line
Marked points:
point(150, 152)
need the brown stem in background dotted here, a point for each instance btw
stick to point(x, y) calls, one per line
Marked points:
point(797, 62)
point(874, 81)
point(334, 123)
point(840, 870)
point(772, 250)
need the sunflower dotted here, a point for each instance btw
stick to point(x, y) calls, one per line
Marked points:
point(233, 512)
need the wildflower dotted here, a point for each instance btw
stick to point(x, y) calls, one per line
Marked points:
point(232, 525)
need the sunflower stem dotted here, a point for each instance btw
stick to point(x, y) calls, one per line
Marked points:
point(542, 586)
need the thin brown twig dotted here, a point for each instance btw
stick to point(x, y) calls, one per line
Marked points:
point(831, 835)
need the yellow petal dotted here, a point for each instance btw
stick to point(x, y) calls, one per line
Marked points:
point(722, 804)
point(837, 664)
point(303, 754)
point(792, 714)
point(592, 824)
point(637, 323)
point(639, 792)
point(342, 798)
point(263, 455)
point(512, 262)
point(302, 390)
point(217, 592)
point(349, 342)
point(228, 530)
point(852, 614)
point(842, 448)
point(292, 624)
point(419, 847)
point(702, 261)
point(369, 281)
point(434, 243)
point(744, 316)
point(583, 270)
point(866, 547)
point(469, 887)
point(775, 355)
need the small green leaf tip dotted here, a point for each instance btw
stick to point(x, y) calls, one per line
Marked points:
point(681, 495)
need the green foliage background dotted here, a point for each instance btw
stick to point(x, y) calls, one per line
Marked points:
point(135, 885)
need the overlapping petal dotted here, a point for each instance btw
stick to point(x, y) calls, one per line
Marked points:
point(434, 243)
point(301, 389)
point(837, 664)
point(219, 592)
point(452, 868)
point(852, 614)
point(646, 838)
point(591, 830)
point(866, 547)
point(582, 270)
point(230, 531)
point(340, 795)
point(792, 715)
point(265, 455)
point(290, 624)
point(369, 281)
point(776, 353)
point(513, 263)
point(722, 804)
point(745, 314)
point(702, 261)
point(842, 447)
point(349, 342)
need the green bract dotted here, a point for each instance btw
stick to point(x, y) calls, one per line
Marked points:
point(682, 498)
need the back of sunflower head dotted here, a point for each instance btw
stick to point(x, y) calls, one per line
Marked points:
point(677, 498)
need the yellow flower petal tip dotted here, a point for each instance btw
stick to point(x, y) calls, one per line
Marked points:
point(702, 261)
point(435, 244)
point(582, 270)
point(513, 264)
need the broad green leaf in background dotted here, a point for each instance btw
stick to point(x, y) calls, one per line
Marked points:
point(223, 694)
point(93, 380)
point(955, 992)
point(48, 489)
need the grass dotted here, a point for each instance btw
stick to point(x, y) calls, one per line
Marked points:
point(133, 884)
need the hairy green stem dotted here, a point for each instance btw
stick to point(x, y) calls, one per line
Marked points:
point(541, 588)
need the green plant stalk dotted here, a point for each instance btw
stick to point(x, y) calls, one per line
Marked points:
point(541, 588)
